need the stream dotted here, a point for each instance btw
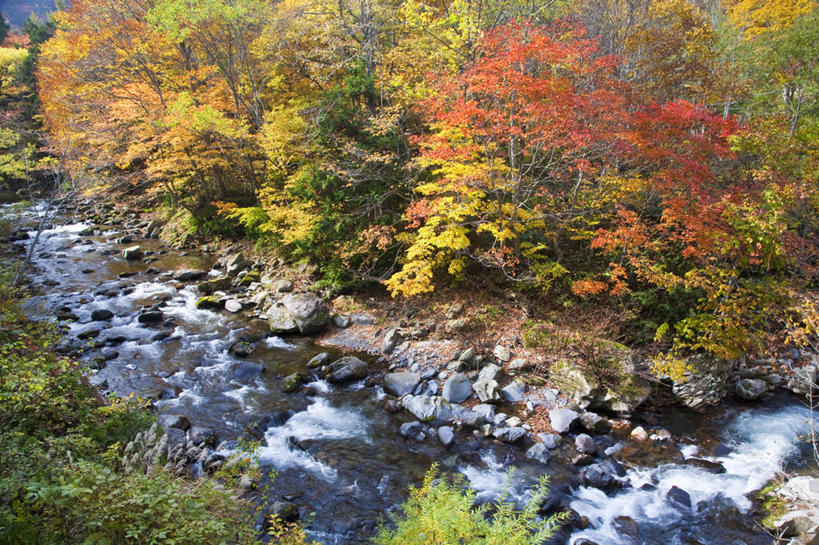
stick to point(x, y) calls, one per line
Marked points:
point(337, 453)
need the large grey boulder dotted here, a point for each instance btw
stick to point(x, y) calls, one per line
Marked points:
point(750, 388)
point(561, 420)
point(303, 312)
point(347, 369)
point(446, 436)
point(457, 388)
point(401, 383)
point(429, 408)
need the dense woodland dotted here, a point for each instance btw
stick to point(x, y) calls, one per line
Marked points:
point(656, 157)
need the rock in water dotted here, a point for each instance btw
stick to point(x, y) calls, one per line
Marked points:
point(585, 444)
point(102, 314)
point(446, 436)
point(133, 253)
point(189, 275)
point(679, 496)
point(401, 383)
point(539, 453)
point(348, 369)
point(209, 286)
point(150, 317)
point(509, 435)
point(751, 388)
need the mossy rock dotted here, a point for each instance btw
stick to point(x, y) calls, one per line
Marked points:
point(292, 382)
point(249, 278)
point(209, 286)
point(208, 302)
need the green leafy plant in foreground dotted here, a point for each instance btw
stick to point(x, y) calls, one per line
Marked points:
point(443, 512)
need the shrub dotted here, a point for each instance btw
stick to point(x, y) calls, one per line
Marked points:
point(441, 512)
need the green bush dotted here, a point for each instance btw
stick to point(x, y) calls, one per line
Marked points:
point(441, 512)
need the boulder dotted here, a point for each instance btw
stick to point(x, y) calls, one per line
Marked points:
point(446, 436)
point(391, 340)
point(342, 321)
point(189, 275)
point(318, 360)
point(603, 475)
point(101, 314)
point(502, 353)
point(410, 429)
point(639, 434)
point(284, 286)
point(248, 279)
point(303, 312)
point(539, 453)
point(550, 440)
point(468, 417)
point(150, 317)
point(513, 392)
point(216, 284)
point(487, 387)
point(457, 388)
point(623, 393)
point(485, 410)
point(704, 383)
point(679, 496)
point(208, 302)
point(401, 383)
point(585, 444)
point(509, 435)
point(561, 420)
point(292, 382)
point(233, 305)
point(751, 388)
point(241, 349)
point(236, 264)
point(803, 380)
point(428, 408)
point(133, 253)
point(280, 320)
point(594, 423)
point(347, 369)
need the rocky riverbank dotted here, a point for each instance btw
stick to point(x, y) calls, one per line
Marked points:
point(457, 394)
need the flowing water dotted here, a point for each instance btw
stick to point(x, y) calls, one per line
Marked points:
point(335, 451)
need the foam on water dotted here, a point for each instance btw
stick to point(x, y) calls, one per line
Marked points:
point(278, 342)
point(495, 480)
point(761, 441)
point(319, 421)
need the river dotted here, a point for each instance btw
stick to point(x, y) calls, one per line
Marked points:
point(336, 452)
